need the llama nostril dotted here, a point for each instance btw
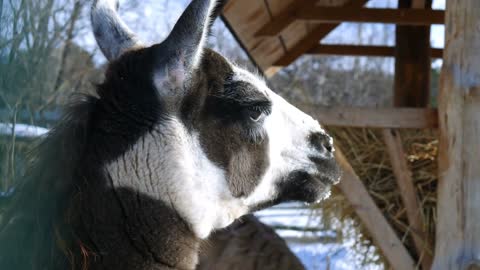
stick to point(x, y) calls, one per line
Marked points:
point(322, 142)
point(329, 147)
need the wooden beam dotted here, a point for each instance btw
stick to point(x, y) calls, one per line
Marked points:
point(458, 225)
point(408, 193)
point(359, 50)
point(372, 15)
point(316, 34)
point(372, 117)
point(308, 11)
point(371, 216)
point(284, 18)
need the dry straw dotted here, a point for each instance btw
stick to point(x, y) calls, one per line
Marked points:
point(366, 151)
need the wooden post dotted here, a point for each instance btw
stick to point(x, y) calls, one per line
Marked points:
point(412, 63)
point(411, 89)
point(458, 227)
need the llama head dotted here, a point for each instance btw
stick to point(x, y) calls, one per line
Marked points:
point(220, 143)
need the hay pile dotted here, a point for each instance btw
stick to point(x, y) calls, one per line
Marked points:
point(366, 152)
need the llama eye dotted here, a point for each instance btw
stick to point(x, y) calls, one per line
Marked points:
point(255, 114)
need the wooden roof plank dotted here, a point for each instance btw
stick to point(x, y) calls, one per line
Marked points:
point(246, 17)
point(253, 16)
point(283, 19)
point(309, 41)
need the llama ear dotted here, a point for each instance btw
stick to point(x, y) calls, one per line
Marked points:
point(180, 54)
point(112, 35)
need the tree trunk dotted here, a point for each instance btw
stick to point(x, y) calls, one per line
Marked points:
point(458, 228)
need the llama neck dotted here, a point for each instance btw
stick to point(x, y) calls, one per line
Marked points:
point(128, 230)
point(169, 164)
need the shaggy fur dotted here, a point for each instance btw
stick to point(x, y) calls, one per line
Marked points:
point(176, 143)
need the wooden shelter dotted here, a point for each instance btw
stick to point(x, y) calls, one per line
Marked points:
point(274, 33)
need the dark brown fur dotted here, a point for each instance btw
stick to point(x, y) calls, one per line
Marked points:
point(226, 133)
point(247, 244)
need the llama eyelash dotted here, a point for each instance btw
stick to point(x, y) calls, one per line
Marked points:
point(261, 108)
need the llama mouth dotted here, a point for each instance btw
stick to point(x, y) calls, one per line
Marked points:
point(323, 190)
point(306, 187)
point(330, 179)
point(300, 186)
point(329, 172)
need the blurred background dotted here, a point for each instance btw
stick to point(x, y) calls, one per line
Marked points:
point(47, 53)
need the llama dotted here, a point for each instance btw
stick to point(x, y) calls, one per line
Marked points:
point(177, 143)
point(247, 244)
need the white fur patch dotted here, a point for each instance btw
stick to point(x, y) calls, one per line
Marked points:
point(288, 131)
point(170, 165)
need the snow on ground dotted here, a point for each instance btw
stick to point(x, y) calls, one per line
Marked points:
point(317, 248)
point(22, 130)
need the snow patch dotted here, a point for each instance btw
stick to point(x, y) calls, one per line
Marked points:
point(22, 130)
